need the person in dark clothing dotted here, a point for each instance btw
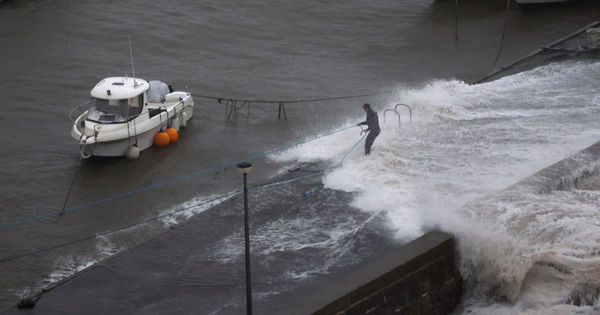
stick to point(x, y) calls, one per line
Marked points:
point(372, 123)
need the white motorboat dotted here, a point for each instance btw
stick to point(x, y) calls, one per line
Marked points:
point(125, 114)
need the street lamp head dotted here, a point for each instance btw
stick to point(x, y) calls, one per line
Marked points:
point(244, 168)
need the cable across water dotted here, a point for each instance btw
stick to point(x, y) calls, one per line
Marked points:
point(174, 180)
point(154, 218)
point(363, 134)
point(220, 99)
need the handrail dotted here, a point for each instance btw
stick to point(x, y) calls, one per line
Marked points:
point(77, 110)
point(395, 111)
point(409, 109)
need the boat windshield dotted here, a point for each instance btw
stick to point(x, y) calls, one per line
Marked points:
point(115, 111)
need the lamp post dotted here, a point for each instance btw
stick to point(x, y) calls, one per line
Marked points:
point(245, 168)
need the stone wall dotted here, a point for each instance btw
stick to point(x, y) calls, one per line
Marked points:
point(419, 278)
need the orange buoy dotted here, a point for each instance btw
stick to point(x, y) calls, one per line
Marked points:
point(161, 139)
point(173, 136)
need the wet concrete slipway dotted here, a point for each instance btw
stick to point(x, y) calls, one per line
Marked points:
point(465, 142)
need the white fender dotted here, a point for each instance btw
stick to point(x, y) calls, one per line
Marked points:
point(132, 153)
point(183, 118)
point(175, 122)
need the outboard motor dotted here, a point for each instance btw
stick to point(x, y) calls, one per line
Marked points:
point(157, 92)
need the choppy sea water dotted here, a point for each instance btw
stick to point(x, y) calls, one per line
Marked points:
point(56, 50)
point(532, 253)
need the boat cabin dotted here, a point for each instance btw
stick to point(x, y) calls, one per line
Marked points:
point(120, 99)
point(117, 100)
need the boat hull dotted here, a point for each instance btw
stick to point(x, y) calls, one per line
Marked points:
point(119, 147)
point(113, 140)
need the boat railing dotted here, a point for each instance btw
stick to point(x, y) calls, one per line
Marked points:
point(78, 110)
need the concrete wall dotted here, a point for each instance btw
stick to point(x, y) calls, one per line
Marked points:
point(419, 278)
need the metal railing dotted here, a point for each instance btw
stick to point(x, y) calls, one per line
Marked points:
point(409, 110)
point(395, 110)
point(78, 110)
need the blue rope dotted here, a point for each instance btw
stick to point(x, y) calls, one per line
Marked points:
point(174, 180)
point(166, 214)
point(312, 190)
point(352, 149)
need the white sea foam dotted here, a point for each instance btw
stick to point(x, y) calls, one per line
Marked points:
point(467, 142)
point(66, 266)
point(318, 237)
point(188, 209)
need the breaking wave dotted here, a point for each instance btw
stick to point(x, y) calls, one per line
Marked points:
point(521, 252)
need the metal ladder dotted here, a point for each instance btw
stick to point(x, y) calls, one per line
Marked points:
point(395, 110)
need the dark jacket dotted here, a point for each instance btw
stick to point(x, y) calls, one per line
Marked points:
point(372, 121)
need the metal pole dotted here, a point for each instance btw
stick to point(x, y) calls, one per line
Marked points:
point(247, 237)
point(279, 114)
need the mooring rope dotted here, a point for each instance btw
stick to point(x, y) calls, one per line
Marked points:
point(363, 134)
point(503, 35)
point(456, 25)
point(62, 211)
point(170, 181)
point(352, 149)
point(154, 218)
point(220, 99)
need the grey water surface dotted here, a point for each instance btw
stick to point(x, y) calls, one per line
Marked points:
point(53, 52)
